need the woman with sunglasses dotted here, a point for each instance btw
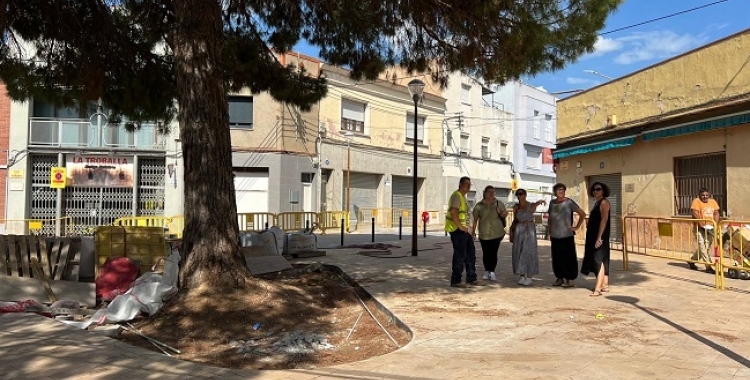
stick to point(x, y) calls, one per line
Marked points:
point(525, 255)
point(596, 253)
point(562, 236)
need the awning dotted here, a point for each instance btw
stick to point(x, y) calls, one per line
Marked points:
point(723, 122)
point(594, 147)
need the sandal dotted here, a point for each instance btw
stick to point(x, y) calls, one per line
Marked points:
point(605, 289)
point(596, 293)
point(568, 284)
point(559, 282)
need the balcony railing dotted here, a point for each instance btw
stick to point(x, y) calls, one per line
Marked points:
point(73, 133)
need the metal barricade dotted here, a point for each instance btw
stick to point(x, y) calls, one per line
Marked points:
point(665, 237)
point(733, 250)
point(48, 227)
point(255, 221)
point(295, 221)
point(176, 225)
point(332, 220)
point(143, 221)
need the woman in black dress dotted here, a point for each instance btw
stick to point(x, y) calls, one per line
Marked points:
point(596, 253)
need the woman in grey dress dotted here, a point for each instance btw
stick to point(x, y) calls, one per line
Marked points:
point(525, 256)
point(561, 236)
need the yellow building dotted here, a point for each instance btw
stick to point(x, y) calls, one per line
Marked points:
point(367, 145)
point(659, 134)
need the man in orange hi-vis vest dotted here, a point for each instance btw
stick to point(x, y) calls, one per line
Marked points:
point(704, 207)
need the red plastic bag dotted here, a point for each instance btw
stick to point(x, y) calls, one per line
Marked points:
point(115, 278)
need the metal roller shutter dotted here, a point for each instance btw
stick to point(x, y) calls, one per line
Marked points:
point(402, 192)
point(251, 191)
point(614, 181)
point(364, 193)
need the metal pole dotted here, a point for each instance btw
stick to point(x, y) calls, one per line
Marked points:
point(399, 227)
point(348, 175)
point(342, 232)
point(424, 229)
point(414, 245)
point(373, 230)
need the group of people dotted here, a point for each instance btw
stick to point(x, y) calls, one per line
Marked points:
point(488, 219)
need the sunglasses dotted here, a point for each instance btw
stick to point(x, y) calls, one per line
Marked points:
point(597, 189)
point(521, 195)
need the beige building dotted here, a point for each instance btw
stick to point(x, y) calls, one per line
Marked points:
point(658, 135)
point(274, 149)
point(367, 145)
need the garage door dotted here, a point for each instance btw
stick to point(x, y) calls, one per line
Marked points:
point(614, 181)
point(251, 190)
point(364, 192)
point(402, 192)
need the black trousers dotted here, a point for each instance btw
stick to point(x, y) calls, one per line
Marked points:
point(564, 258)
point(489, 253)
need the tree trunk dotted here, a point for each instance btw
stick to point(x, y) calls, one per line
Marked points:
point(211, 235)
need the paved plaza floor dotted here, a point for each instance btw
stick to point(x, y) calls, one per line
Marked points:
point(660, 321)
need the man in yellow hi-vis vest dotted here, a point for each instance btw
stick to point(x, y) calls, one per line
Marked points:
point(457, 224)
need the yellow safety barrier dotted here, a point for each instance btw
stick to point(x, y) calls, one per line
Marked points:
point(332, 220)
point(295, 221)
point(734, 248)
point(665, 237)
point(177, 225)
point(143, 221)
point(255, 221)
point(50, 227)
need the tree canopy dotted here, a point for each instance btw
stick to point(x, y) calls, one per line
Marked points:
point(154, 60)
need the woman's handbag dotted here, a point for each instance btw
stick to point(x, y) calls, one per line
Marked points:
point(503, 220)
point(512, 231)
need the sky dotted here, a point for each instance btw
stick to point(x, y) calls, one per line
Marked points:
point(618, 53)
point(622, 52)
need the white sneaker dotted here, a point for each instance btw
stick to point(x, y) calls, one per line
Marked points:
point(492, 276)
point(486, 276)
point(522, 281)
point(528, 281)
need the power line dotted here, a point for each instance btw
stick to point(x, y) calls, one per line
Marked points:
point(662, 17)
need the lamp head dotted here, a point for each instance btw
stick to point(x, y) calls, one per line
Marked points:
point(416, 87)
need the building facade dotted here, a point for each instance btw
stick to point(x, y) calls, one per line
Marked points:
point(478, 140)
point(534, 134)
point(110, 172)
point(658, 135)
point(367, 147)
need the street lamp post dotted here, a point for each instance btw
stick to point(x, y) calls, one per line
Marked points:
point(348, 136)
point(416, 87)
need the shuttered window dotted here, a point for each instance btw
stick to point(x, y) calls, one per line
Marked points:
point(694, 172)
point(241, 112)
point(410, 128)
point(352, 116)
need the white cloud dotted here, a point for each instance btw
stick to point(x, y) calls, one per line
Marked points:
point(605, 45)
point(574, 80)
point(656, 45)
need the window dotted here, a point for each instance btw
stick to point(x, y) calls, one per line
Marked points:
point(485, 148)
point(693, 172)
point(307, 177)
point(533, 159)
point(465, 147)
point(465, 94)
point(352, 116)
point(548, 128)
point(410, 129)
point(536, 129)
point(504, 152)
point(241, 112)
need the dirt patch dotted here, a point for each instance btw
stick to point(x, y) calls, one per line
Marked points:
point(303, 320)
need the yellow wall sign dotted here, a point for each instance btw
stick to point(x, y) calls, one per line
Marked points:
point(16, 173)
point(57, 178)
point(514, 184)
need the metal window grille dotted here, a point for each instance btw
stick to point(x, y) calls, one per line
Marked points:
point(694, 172)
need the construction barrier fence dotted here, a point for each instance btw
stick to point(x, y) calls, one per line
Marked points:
point(669, 238)
point(47, 227)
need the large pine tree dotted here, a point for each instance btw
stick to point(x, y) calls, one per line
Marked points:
point(154, 60)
